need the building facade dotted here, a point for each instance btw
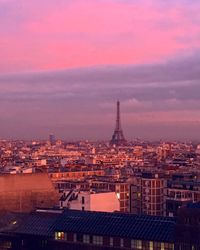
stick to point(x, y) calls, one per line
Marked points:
point(90, 201)
point(26, 192)
point(147, 194)
point(181, 193)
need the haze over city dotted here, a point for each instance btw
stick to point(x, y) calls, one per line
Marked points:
point(64, 65)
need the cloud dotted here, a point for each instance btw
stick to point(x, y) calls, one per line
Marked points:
point(143, 88)
point(49, 35)
point(174, 80)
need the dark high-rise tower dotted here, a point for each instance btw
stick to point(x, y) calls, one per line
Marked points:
point(52, 139)
point(118, 136)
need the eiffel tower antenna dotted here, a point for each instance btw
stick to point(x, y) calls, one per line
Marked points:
point(118, 136)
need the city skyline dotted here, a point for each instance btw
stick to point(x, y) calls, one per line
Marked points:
point(64, 65)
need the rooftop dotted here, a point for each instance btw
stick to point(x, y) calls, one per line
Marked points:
point(130, 226)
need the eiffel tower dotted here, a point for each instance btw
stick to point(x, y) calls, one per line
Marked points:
point(118, 136)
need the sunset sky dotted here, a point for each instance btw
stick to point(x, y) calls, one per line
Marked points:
point(64, 64)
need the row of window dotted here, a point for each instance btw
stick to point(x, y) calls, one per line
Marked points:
point(99, 240)
point(75, 174)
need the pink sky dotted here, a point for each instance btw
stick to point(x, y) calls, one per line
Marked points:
point(50, 35)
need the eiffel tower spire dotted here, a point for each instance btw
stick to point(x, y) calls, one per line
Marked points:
point(118, 136)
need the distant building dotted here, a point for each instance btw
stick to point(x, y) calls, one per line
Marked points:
point(75, 175)
point(63, 185)
point(52, 139)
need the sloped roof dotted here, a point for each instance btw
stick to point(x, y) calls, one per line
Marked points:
point(117, 224)
point(141, 227)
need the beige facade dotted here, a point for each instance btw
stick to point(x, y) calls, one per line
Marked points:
point(25, 192)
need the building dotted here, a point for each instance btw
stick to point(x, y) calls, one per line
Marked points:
point(100, 185)
point(120, 187)
point(147, 194)
point(63, 185)
point(52, 139)
point(84, 230)
point(90, 201)
point(75, 175)
point(188, 227)
point(181, 193)
point(26, 192)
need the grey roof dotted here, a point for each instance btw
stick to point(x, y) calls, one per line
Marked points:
point(40, 224)
point(123, 225)
point(130, 226)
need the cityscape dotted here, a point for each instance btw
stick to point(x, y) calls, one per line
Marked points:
point(100, 195)
point(99, 125)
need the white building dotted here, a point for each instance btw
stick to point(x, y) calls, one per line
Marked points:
point(90, 201)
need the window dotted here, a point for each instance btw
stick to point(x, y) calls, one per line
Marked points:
point(60, 236)
point(121, 242)
point(43, 243)
point(157, 245)
point(168, 246)
point(75, 238)
point(79, 237)
point(151, 245)
point(97, 240)
point(83, 200)
point(137, 244)
point(111, 241)
point(86, 238)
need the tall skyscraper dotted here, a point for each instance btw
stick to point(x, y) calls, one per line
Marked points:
point(52, 139)
point(118, 136)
